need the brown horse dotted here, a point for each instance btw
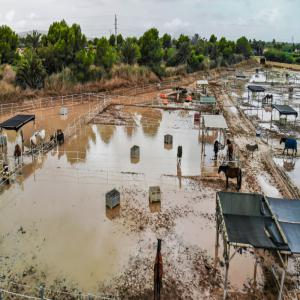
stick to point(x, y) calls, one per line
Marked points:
point(231, 172)
point(17, 153)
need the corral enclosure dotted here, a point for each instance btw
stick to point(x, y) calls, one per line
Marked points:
point(54, 218)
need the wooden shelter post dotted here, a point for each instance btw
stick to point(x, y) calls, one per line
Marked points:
point(226, 255)
point(281, 284)
point(255, 272)
point(217, 234)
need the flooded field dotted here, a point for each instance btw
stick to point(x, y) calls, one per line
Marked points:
point(285, 91)
point(55, 227)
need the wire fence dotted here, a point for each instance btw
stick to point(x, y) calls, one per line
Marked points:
point(48, 102)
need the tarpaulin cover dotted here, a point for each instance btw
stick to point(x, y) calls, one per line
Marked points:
point(248, 221)
point(288, 214)
point(252, 231)
point(17, 122)
point(243, 204)
point(292, 233)
point(285, 110)
point(256, 88)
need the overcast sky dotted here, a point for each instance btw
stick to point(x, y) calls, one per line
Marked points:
point(260, 19)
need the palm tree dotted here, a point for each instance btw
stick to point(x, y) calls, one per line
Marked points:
point(33, 40)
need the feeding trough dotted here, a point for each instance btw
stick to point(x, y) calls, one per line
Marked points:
point(63, 111)
point(154, 194)
point(135, 154)
point(168, 139)
point(112, 198)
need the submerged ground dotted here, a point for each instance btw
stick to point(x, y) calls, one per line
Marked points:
point(56, 230)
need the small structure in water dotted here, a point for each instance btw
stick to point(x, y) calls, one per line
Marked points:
point(63, 111)
point(135, 154)
point(168, 139)
point(112, 198)
point(179, 152)
point(154, 194)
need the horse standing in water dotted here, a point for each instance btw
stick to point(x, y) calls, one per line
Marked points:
point(289, 143)
point(232, 172)
point(17, 153)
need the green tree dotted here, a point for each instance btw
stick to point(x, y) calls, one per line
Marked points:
point(243, 47)
point(33, 40)
point(151, 50)
point(105, 54)
point(182, 40)
point(183, 53)
point(130, 51)
point(112, 40)
point(120, 40)
point(213, 39)
point(62, 43)
point(194, 62)
point(30, 71)
point(166, 41)
point(8, 45)
point(82, 64)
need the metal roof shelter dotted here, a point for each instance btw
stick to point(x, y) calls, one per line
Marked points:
point(208, 100)
point(216, 123)
point(258, 222)
point(256, 88)
point(287, 212)
point(17, 122)
point(285, 110)
point(202, 82)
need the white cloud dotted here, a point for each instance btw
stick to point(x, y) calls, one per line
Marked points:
point(176, 24)
point(32, 16)
point(21, 24)
point(9, 16)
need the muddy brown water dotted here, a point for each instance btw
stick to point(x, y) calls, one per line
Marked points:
point(59, 201)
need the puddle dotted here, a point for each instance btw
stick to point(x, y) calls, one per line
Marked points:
point(291, 167)
point(268, 189)
point(59, 201)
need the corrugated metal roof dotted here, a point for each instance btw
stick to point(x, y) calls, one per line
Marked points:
point(256, 88)
point(17, 122)
point(285, 110)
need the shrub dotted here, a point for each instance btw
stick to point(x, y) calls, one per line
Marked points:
point(59, 82)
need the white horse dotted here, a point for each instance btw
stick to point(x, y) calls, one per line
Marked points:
point(38, 138)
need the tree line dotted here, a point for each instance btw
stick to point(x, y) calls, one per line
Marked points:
point(66, 47)
point(277, 51)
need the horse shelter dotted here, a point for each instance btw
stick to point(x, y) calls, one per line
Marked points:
point(284, 110)
point(15, 123)
point(256, 91)
point(211, 124)
point(254, 222)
